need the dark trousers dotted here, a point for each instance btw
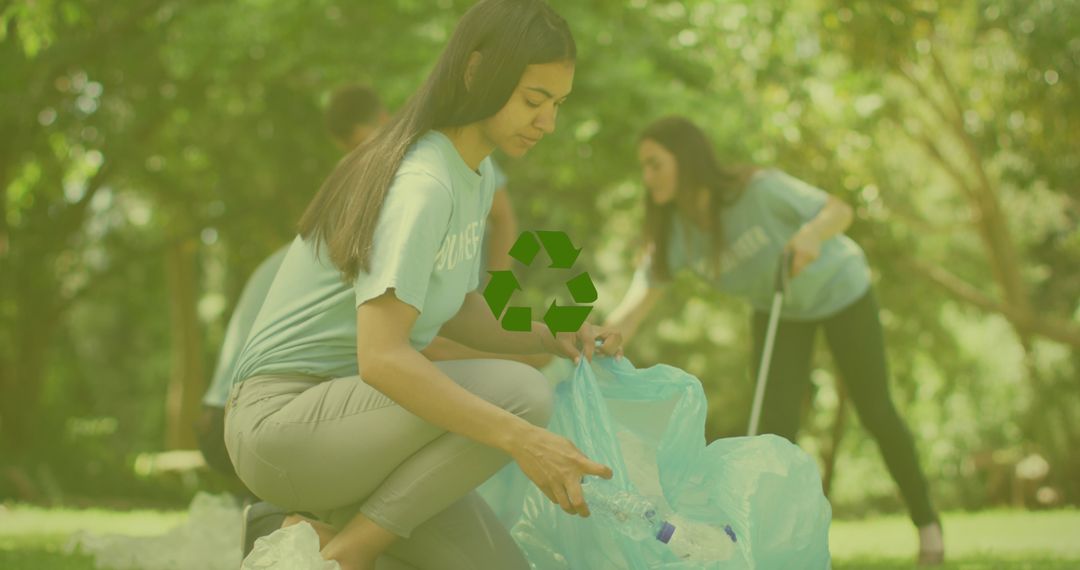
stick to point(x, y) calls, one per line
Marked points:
point(857, 346)
point(210, 433)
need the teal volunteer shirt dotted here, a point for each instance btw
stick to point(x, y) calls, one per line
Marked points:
point(236, 333)
point(756, 227)
point(426, 247)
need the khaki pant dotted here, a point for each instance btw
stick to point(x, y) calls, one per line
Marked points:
point(338, 447)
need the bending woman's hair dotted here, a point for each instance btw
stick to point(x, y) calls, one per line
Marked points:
point(508, 35)
point(698, 169)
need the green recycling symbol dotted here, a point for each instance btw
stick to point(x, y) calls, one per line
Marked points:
point(502, 285)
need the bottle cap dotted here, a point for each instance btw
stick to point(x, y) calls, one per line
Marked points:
point(666, 530)
point(730, 533)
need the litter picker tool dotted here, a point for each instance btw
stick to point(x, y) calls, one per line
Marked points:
point(780, 286)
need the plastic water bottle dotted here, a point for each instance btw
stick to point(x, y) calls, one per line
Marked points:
point(639, 518)
point(631, 514)
point(701, 542)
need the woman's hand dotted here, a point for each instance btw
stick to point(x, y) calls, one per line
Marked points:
point(556, 466)
point(805, 247)
point(572, 345)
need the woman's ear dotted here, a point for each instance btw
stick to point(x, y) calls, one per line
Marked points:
point(470, 69)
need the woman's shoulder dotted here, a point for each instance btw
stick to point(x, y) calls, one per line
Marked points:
point(772, 181)
point(775, 188)
point(773, 176)
point(767, 176)
point(424, 164)
point(422, 174)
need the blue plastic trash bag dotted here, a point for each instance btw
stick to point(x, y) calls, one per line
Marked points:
point(648, 426)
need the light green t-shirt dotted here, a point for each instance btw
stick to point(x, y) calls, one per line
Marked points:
point(247, 308)
point(426, 247)
point(756, 227)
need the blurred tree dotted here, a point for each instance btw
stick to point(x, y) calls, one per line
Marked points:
point(154, 152)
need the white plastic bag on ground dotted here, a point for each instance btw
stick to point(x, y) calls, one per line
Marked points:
point(292, 548)
point(208, 540)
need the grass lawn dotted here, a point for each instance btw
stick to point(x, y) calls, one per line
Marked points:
point(987, 540)
point(32, 538)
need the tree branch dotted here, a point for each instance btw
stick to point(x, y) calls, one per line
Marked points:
point(1058, 330)
point(990, 222)
point(986, 192)
point(127, 257)
point(907, 71)
point(76, 213)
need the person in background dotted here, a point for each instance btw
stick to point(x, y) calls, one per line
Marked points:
point(353, 114)
point(730, 225)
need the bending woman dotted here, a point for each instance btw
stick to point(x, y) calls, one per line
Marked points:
point(334, 411)
point(730, 226)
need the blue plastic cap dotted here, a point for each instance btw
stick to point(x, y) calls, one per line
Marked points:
point(666, 530)
point(730, 533)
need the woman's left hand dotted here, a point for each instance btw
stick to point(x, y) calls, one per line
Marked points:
point(805, 247)
point(573, 345)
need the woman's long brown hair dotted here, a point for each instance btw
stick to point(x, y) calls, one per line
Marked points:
point(697, 168)
point(509, 35)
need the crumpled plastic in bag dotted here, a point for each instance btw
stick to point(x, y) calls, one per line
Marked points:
point(294, 547)
point(648, 425)
point(208, 540)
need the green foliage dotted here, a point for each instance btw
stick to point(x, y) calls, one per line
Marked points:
point(130, 127)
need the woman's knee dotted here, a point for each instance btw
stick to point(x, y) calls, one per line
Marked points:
point(533, 395)
point(515, 387)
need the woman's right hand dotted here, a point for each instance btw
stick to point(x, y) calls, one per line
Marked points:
point(582, 342)
point(555, 465)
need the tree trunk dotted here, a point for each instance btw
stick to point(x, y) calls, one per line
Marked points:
point(186, 379)
point(30, 321)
